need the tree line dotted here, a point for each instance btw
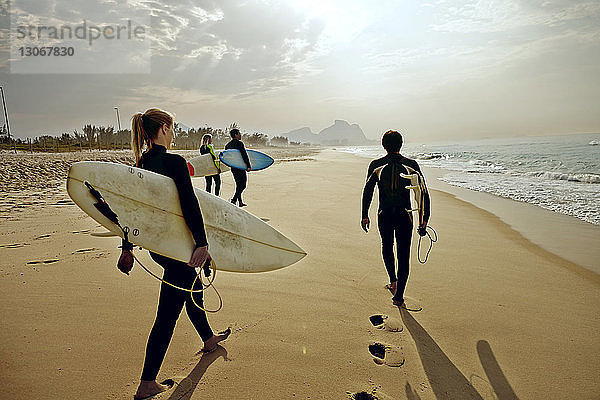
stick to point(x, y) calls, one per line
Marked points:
point(93, 137)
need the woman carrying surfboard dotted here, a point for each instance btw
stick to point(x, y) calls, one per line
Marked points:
point(154, 131)
point(207, 148)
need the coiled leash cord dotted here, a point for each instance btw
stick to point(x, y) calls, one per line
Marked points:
point(105, 210)
point(191, 291)
point(432, 240)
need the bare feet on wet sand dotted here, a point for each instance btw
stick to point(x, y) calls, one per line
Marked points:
point(392, 287)
point(398, 302)
point(148, 389)
point(211, 344)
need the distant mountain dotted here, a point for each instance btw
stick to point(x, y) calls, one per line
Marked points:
point(183, 127)
point(303, 135)
point(340, 133)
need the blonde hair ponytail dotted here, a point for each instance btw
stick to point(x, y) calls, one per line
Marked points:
point(144, 129)
point(137, 136)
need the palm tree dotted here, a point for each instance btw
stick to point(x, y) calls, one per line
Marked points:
point(90, 134)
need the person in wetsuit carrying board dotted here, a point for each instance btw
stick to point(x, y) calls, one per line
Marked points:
point(154, 130)
point(239, 175)
point(394, 218)
point(207, 148)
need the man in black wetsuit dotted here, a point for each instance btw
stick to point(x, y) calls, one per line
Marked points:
point(239, 175)
point(393, 216)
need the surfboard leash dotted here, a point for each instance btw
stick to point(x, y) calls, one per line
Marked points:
point(419, 210)
point(103, 207)
point(192, 290)
point(432, 240)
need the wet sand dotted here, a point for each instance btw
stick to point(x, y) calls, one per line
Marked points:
point(501, 317)
point(574, 240)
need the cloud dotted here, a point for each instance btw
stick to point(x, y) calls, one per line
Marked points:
point(229, 47)
point(466, 40)
point(224, 47)
point(479, 16)
point(311, 61)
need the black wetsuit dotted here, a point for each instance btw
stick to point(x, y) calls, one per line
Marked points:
point(171, 300)
point(393, 219)
point(217, 178)
point(239, 175)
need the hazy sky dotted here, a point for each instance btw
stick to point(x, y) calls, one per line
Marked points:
point(434, 70)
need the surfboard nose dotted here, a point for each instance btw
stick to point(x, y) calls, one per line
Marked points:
point(292, 252)
point(298, 250)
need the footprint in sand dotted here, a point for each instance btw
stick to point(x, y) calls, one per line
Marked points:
point(13, 245)
point(374, 394)
point(51, 261)
point(44, 236)
point(64, 203)
point(361, 396)
point(390, 324)
point(385, 354)
point(84, 250)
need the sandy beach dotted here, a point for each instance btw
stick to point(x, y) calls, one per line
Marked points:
point(502, 318)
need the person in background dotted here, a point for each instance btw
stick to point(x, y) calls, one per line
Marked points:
point(394, 217)
point(239, 175)
point(207, 148)
point(154, 130)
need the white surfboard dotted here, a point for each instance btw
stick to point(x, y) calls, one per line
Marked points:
point(204, 165)
point(417, 186)
point(147, 205)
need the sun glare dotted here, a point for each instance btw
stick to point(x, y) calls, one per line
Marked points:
point(343, 20)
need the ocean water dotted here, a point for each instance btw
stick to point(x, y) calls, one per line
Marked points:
point(558, 173)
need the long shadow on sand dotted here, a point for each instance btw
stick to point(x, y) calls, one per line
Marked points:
point(445, 379)
point(494, 373)
point(411, 394)
point(185, 388)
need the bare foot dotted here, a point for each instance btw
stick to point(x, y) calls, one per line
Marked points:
point(392, 287)
point(397, 302)
point(211, 344)
point(150, 388)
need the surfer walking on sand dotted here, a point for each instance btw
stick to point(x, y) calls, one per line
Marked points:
point(394, 218)
point(154, 130)
point(207, 148)
point(239, 175)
